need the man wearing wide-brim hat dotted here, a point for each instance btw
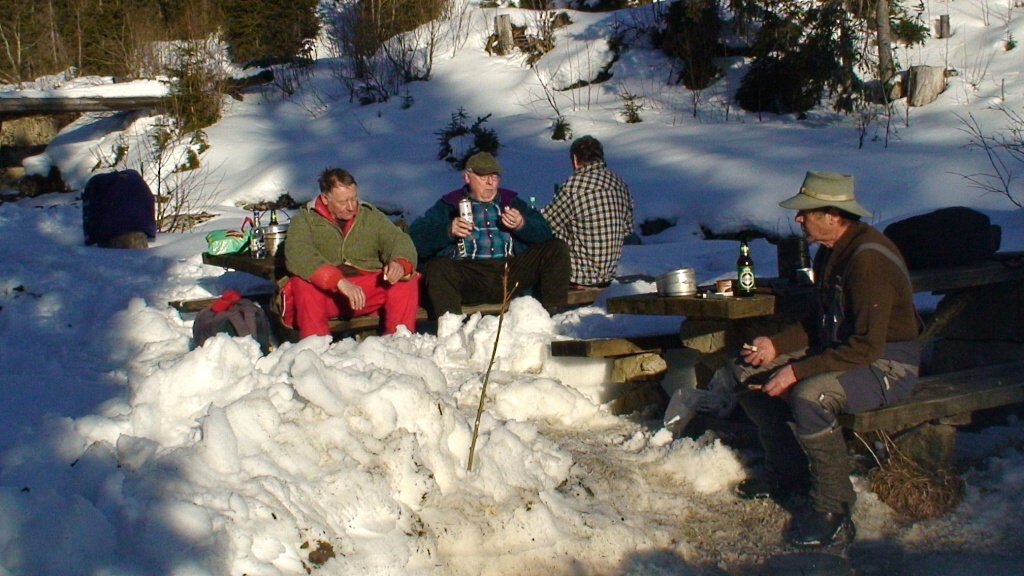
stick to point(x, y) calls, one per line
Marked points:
point(856, 349)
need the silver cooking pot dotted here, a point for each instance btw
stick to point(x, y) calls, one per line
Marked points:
point(682, 282)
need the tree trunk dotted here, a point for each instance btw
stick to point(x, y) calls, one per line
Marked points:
point(884, 38)
point(925, 85)
point(503, 28)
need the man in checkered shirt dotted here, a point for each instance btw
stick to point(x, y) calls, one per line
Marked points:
point(593, 213)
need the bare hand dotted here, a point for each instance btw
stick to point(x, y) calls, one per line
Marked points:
point(760, 351)
point(356, 296)
point(512, 218)
point(460, 228)
point(393, 272)
point(781, 381)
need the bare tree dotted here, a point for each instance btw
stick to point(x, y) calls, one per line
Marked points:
point(1004, 151)
point(381, 45)
point(883, 35)
point(19, 36)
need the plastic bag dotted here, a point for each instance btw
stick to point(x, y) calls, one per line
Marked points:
point(227, 241)
point(718, 400)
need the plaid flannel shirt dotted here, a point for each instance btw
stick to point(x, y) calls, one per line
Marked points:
point(592, 212)
point(487, 240)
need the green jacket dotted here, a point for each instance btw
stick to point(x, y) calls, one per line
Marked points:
point(317, 250)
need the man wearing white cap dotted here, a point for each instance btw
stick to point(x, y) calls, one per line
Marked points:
point(856, 349)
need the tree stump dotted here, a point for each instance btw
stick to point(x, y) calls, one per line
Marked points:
point(131, 240)
point(503, 30)
point(926, 83)
point(942, 27)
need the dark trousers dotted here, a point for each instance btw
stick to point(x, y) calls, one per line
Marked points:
point(814, 442)
point(544, 267)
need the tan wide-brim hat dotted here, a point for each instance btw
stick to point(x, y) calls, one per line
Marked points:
point(821, 189)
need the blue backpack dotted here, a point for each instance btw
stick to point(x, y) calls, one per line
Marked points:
point(117, 203)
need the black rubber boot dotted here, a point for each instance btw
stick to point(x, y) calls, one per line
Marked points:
point(771, 486)
point(816, 529)
point(829, 464)
point(832, 492)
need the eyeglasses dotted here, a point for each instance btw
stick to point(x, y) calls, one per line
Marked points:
point(487, 177)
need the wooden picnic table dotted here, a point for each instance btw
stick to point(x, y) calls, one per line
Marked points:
point(701, 306)
point(717, 326)
point(779, 297)
point(272, 268)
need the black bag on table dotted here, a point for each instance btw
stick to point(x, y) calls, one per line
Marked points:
point(233, 315)
point(946, 237)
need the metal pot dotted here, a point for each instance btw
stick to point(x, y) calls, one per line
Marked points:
point(682, 282)
point(273, 236)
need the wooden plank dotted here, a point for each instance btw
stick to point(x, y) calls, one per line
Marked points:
point(269, 268)
point(583, 296)
point(612, 347)
point(1003, 267)
point(198, 304)
point(709, 308)
point(946, 395)
point(17, 107)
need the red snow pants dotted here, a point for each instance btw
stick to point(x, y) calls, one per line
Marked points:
point(398, 303)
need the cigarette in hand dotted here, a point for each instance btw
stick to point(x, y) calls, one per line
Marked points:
point(755, 386)
point(750, 347)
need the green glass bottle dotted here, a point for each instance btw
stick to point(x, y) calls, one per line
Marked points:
point(745, 283)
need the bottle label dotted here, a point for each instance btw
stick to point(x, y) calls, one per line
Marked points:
point(466, 213)
point(746, 278)
point(258, 244)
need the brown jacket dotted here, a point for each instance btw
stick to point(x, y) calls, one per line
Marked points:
point(877, 302)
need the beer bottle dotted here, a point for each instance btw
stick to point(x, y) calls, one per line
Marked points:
point(273, 217)
point(744, 272)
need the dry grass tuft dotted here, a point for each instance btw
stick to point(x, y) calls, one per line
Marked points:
point(913, 490)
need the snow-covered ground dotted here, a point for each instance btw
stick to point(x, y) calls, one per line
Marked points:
point(124, 452)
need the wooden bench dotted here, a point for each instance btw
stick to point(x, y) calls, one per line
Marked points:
point(951, 396)
point(924, 424)
point(273, 269)
point(368, 323)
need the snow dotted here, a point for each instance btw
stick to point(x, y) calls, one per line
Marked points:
point(123, 451)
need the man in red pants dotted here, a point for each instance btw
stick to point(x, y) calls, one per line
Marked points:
point(346, 258)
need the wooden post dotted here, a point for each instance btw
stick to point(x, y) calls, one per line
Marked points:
point(503, 29)
point(942, 31)
point(925, 85)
